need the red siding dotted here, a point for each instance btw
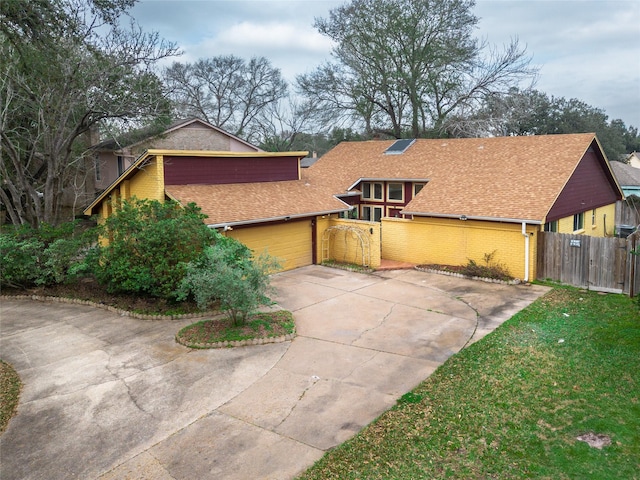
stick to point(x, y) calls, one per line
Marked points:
point(589, 187)
point(395, 206)
point(214, 170)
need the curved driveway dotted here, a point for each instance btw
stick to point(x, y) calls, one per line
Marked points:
point(111, 397)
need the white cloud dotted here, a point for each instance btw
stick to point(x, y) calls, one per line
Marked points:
point(272, 37)
point(588, 50)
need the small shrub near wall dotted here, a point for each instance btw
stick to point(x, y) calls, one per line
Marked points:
point(228, 274)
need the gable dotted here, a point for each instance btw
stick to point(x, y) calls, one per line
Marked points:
point(194, 135)
point(590, 186)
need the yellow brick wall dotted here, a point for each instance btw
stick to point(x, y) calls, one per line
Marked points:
point(454, 242)
point(322, 223)
point(290, 241)
point(148, 183)
point(346, 246)
point(604, 222)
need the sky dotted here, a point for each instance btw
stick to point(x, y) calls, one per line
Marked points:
point(589, 50)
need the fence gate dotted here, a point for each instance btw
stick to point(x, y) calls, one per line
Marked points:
point(596, 263)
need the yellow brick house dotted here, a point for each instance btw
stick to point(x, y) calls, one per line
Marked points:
point(424, 201)
point(445, 201)
point(255, 197)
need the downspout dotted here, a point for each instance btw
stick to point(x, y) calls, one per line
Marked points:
point(526, 252)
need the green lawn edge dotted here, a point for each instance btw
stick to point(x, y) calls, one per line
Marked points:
point(10, 387)
point(513, 404)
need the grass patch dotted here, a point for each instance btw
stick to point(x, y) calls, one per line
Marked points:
point(10, 386)
point(513, 404)
point(259, 325)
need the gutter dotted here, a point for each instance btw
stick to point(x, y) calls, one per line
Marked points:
point(467, 217)
point(390, 179)
point(227, 225)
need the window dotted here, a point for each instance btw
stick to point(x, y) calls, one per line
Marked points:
point(394, 212)
point(372, 191)
point(395, 192)
point(377, 191)
point(551, 226)
point(96, 161)
point(366, 190)
point(593, 217)
point(120, 165)
point(371, 213)
point(417, 187)
point(578, 221)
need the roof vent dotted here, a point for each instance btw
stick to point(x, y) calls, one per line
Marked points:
point(399, 146)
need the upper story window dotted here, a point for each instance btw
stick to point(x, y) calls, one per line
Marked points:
point(395, 192)
point(96, 162)
point(372, 191)
point(417, 187)
point(551, 226)
point(121, 166)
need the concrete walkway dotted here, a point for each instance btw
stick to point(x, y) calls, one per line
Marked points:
point(112, 397)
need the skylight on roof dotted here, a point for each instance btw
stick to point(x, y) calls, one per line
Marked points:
point(399, 146)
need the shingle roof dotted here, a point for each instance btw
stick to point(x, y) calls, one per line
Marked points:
point(135, 137)
point(626, 174)
point(241, 203)
point(516, 178)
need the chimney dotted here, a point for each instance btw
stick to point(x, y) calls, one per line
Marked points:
point(93, 135)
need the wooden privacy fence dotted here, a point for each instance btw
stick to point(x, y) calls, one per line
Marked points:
point(628, 211)
point(596, 263)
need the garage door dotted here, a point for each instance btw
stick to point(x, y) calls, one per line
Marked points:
point(290, 241)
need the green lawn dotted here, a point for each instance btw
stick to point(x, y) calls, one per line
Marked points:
point(512, 405)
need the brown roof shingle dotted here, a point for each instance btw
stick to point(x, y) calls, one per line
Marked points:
point(253, 202)
point(516, 178)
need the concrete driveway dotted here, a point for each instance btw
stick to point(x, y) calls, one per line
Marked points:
point(111, 397)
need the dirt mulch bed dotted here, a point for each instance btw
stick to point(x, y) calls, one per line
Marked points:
point(90, 290)
point(260, 328)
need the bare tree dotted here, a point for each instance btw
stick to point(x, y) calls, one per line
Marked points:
point(402, 67)
point(227, 91)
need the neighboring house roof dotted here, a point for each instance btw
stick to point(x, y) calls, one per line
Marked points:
point(308, 161)
point(626, 174)
point(633, 159)
point(147, 134)
point(501, 178)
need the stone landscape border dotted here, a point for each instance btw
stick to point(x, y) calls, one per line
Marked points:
point(515, 281)
point(110, 308)
point(239, 343)
point(141, 316)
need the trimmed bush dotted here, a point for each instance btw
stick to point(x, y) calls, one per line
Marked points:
point(150, 245)
point(44, 256)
